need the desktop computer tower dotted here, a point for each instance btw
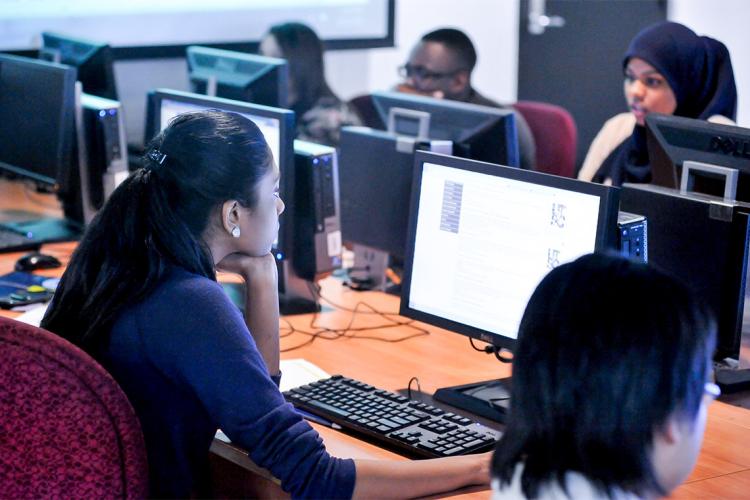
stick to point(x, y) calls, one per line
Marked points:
point(632, 236)
point(317, 223)
point(703, 241)
point(102, 159)
point(315, 245)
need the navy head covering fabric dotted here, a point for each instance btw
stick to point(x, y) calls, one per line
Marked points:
point(699, 72)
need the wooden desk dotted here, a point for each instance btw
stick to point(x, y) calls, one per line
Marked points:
point(438, 359)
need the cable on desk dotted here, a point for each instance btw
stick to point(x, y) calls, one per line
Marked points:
point(408, 387)
point(491, 349)
point(315, 290)
point(349, 331)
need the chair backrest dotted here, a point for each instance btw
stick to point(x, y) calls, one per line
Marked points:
point(365, 109)
point(66, 428)
point(555, 135)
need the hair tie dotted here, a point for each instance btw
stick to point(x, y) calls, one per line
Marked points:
point(157, 157)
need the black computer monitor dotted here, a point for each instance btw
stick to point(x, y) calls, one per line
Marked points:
point(478, 132)
point(37, 124)
point(705, 242)
point(673, 140)
point(481, 238)
point(238, 76)
point(92, 59)
point(375, 184)
point(277, 126)
point(38, 135)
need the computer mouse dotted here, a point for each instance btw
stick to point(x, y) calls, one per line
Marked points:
point(35, 260)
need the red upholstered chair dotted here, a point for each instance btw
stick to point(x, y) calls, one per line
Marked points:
point(555, 135)
point(66, 428)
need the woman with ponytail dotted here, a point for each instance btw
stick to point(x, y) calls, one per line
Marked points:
point(140, 295)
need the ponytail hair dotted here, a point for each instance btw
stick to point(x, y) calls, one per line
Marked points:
point(157, 218)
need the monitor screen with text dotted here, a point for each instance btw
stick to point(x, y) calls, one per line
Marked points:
point(483, 242)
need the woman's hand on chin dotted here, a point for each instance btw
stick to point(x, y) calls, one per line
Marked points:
point(252, 269)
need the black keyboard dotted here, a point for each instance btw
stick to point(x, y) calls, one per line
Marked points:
point(392, 420)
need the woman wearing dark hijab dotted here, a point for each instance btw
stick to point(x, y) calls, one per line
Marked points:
point(670, 70)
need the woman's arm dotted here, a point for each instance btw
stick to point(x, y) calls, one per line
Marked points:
point(407, 479)
point(261, 302)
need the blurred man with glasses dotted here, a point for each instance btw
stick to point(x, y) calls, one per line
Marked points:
point(440, 66)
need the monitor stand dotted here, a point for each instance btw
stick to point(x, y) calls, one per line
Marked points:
point(489, 399)
point(372, 271)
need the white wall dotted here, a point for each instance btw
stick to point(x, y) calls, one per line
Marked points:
point(727, 21)
point(491, 24)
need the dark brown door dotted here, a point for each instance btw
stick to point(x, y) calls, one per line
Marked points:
point(578, 65)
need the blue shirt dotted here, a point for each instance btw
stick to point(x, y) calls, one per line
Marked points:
point(189, 365)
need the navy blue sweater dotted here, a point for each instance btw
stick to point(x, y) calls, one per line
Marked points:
point(189, 365)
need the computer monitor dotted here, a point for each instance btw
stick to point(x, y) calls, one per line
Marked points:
point(375, 184)
point(38, 134)
point(37, 131)
point(238, 76)
point(92, 59)
point(277, 125)
point(478, 132)
point(673, 140)
point(481, 238)
point(705, 242)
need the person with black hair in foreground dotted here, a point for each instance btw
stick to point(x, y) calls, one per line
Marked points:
point(140, 295)
point(320, 113)
point(607, 402)
point(440, 66)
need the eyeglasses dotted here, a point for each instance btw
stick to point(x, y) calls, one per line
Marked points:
point(711, 390)
point(422, 73)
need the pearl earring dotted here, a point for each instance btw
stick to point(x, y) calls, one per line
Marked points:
point(236, 231)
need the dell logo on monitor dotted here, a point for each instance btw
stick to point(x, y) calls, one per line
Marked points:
point(729, 146)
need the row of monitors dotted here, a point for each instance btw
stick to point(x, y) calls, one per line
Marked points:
point(263, 80)
point(229, 74)
point(453, 201)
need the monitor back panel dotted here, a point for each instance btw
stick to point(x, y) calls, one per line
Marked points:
point(704, 244)
point(375, 185)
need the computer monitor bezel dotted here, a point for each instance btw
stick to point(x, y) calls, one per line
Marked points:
point(605, 234)
point(666, 157)
point(274, 66)
point(99, 62)
point(285, 160)
point(65, 157)
point(490, 119)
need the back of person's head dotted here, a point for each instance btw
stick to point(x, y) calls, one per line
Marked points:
point(158, 217)
point(609, 353)
point(303, 50)
point(697, 68)
point(458, 42)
